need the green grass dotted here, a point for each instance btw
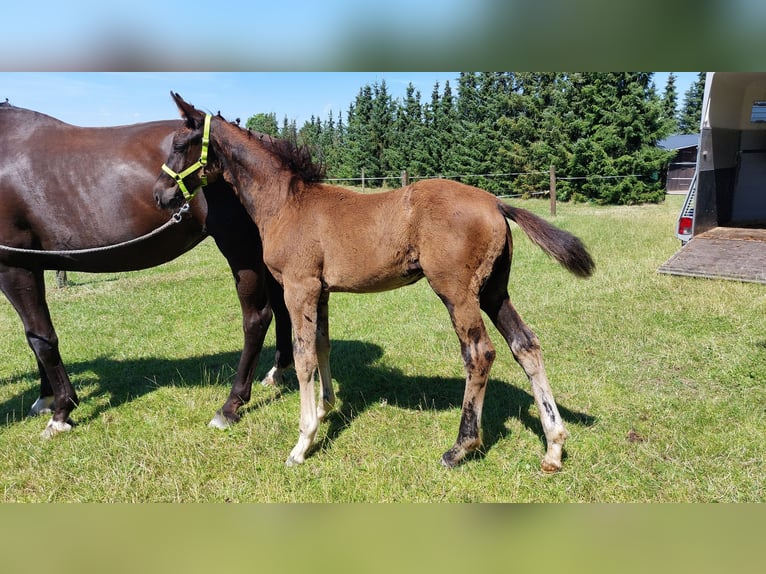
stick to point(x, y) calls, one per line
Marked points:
point(677, 364)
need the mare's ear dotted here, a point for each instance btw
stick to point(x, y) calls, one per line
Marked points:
point(193, 117)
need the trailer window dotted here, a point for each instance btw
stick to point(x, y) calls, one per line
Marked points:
point(758, 112)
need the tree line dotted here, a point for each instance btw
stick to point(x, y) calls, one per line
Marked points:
point(501, 131)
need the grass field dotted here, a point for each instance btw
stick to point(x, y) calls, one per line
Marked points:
point(660, 381)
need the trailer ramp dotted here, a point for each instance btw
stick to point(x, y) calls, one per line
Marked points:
point(722, 253)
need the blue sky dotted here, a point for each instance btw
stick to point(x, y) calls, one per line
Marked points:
point(115, 98)
point(236, 34)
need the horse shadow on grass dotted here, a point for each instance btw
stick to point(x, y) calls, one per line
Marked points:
point(362, 380)
point(121, 381)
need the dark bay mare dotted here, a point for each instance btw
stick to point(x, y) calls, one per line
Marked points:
point(64, 189)
point(318, 239)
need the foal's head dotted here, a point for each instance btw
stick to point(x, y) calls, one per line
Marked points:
point(191, 163)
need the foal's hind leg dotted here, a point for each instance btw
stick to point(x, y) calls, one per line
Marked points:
point(526, 350)
point(478, 356)
point(327, 399)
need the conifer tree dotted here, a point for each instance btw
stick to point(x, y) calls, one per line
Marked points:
point(381, 130)
point(467, 151)
point(691, 110)
point(670, 104)
point(615, 152)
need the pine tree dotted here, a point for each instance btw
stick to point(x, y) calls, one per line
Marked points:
point(691, 111)
point(407, 134)
point(670, 104)
point(467, 150)
point(361, 149)
point(547, 144)
point(615, 153)
point(430, 152)
point(381, 130)
point(289, 130)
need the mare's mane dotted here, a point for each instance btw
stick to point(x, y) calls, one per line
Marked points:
point(295, 157)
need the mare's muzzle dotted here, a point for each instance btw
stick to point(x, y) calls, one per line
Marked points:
point(199, 165)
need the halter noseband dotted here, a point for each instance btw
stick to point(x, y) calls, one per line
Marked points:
point(198, 165)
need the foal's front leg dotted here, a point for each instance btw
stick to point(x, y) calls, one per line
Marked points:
point(303, 305)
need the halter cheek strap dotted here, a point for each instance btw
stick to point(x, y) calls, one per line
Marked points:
point(198, 165)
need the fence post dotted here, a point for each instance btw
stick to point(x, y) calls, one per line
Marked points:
point(405, 178)
point(362, 179)
point(553, 189)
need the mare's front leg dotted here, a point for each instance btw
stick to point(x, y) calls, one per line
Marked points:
point(256, 318)
point(259, 295)
point(25, 290)
point(303, 302)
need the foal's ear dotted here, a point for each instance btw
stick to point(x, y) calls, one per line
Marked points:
point(193, 117)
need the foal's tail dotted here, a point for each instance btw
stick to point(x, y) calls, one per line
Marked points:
point(559, 244)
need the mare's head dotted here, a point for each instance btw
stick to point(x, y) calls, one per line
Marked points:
point(191, 163)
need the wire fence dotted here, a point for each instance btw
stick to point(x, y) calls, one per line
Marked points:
point(405, 179)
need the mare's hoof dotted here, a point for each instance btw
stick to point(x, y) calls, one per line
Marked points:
point(56, 427)
point(220, 422)
point(273, 378)
point(42, 406)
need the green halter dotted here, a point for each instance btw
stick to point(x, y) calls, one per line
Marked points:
point(200, 164)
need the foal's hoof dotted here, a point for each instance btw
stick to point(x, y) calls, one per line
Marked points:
point(220, 422)
point(291, 461)
point(552, 459)
point(550, 466)
point(452, 457)
point(42, 406)
point(56, 427)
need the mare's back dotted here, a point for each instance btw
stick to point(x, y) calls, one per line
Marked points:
point(56, 177)
point(31, 140)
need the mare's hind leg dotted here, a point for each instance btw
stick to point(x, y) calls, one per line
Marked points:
point(478, 356)
point(26, 291)
point(283, 358)
point(526, 350)
point(327, 401)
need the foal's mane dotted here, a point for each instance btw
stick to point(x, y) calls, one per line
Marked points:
point(295, 157)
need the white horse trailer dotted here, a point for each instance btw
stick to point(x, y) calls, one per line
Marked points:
point(722, 226)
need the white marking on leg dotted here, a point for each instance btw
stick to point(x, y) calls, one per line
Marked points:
point(274, 377)
point(327, 398)
point(54, 428)
point(42, 406)
point(553, 427)
point(219, 422)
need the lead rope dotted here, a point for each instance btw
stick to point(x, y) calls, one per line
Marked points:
point(175, 218)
